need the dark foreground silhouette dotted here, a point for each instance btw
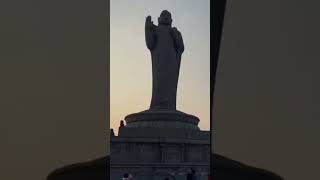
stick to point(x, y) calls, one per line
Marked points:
point(223, 169)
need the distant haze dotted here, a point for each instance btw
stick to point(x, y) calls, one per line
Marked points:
point(130, 61)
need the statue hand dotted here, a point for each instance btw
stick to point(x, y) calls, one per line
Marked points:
point(148, 19)
point(149, 23)
point(149, 33)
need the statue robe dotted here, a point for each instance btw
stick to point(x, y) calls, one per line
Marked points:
point(166, 46)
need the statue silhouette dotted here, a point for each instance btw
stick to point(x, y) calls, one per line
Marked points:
point(166, 46)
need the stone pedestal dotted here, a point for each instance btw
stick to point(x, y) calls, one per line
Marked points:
point(158, 144)
point(162, 119)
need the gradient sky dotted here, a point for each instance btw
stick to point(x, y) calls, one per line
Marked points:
point(131, 78)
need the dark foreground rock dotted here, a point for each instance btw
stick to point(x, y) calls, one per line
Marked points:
point(223, 168)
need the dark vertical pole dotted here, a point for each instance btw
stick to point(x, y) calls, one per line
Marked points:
point(218, 8)
point(217, 12)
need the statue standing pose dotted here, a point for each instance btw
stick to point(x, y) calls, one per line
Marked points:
point(166, 46)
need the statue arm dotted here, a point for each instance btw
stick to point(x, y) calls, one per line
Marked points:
point(177, 37)
point(149, 33)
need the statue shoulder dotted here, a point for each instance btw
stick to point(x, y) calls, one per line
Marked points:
point(177, 37)
point(175, 31)
point(176, 34)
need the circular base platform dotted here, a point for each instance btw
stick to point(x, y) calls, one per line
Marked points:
point(162, 119)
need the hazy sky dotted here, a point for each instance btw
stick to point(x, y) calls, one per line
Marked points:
point(130, 63)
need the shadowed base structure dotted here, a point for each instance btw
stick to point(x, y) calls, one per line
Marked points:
point(159, 144)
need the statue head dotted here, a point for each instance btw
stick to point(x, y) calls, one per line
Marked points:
point(165, 18)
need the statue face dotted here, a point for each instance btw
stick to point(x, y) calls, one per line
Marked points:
point(165, 18)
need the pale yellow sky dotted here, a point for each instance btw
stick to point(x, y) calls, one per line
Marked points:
point(130, 61)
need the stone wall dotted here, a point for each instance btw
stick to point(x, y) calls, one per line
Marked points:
point(157, 158)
